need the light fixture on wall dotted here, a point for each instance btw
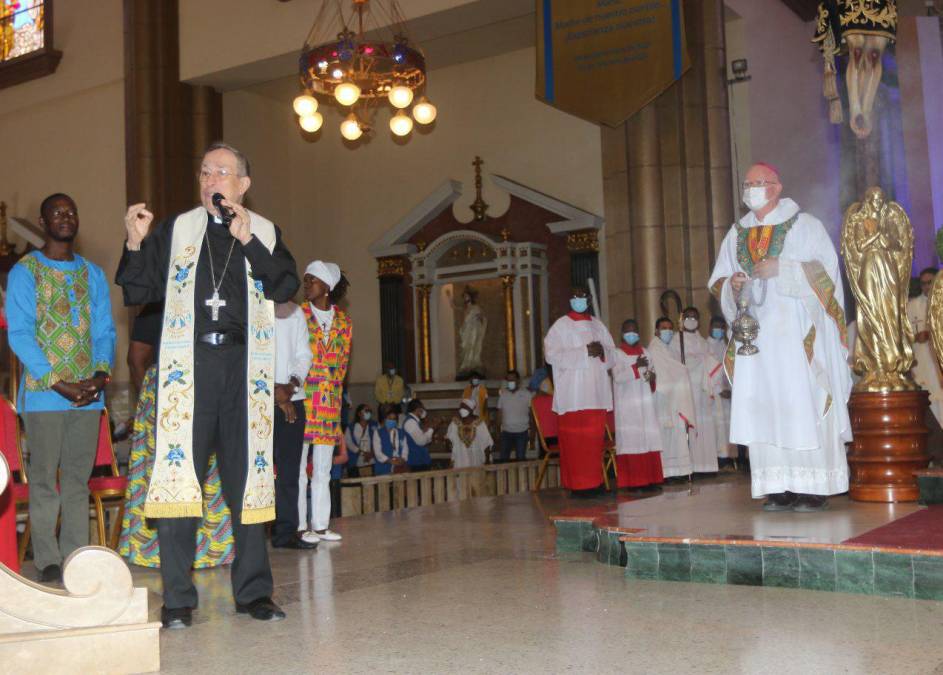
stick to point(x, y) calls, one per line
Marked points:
point(740, 69)
point(356, 56)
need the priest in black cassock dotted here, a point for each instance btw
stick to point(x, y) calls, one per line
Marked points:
point(219, 272)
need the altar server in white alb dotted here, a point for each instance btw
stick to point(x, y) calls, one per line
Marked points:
point(790, 400)
point(926, 370)
point(717, 342)
point(706, 376)
point(638, 438)
point(580, 349)
point(674, 401)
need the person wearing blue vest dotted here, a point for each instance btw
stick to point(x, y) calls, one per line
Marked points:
point(389, 445)
point(417, 438)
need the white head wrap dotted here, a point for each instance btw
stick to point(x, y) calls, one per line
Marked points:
point(329, 273)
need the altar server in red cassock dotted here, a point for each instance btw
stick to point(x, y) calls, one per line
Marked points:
point(581, 351)
point(638, 434)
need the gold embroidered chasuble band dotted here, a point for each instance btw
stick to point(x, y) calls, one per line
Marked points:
point(174, 490)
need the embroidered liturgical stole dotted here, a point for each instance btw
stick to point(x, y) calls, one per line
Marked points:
point(174, 491)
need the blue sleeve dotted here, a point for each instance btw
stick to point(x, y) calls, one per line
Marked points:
point(103, 325)
point(21, 318)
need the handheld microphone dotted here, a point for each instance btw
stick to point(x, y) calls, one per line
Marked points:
point(224, 213)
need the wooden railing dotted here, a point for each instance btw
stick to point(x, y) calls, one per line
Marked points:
point(424, 488)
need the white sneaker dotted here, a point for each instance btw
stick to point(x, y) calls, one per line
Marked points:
point(310, 537)
point(329, 535)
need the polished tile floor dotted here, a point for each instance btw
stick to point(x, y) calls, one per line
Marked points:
point(722, 508)
point(477, 587)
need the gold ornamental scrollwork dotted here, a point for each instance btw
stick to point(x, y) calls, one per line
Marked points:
point(425, 334)
point(391, 266)
point(583, 241)
point(507, 281)
point(877, 242)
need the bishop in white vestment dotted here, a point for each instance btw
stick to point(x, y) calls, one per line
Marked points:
point(789, 401)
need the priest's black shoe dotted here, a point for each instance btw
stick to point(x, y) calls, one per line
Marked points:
point(296, 542)
point(262, 609)
point(177, 617)
point(51, 573)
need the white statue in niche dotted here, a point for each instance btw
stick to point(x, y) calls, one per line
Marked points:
point(471, 335)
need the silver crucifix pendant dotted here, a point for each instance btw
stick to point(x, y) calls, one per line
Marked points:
point(215, 303)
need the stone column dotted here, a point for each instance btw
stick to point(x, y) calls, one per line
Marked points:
point(391, 272)
point(666, 181)
point(584, 257)
point(168, 124)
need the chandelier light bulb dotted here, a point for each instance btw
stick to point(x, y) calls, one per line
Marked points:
point(305, 105)
point(312, 122)
point(424, 112)
point(401, 124)
point(401, 96)
point(350, 128)
point(347, 93)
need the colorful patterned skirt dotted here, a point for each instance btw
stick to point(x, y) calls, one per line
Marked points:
point(139, 543)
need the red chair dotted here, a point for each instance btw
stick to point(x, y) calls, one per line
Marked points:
point(547, 423)
point(12, 450)
point(107, 490)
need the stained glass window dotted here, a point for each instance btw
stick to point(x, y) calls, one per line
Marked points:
point(22, 28)
point(26, 43)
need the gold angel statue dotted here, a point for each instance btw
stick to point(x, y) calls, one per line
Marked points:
point(877, 242)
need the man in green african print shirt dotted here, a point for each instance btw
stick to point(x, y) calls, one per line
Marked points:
point(59, 313)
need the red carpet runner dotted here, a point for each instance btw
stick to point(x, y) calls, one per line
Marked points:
point(921, 530)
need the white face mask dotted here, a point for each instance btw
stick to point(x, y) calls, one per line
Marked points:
point(755, 198)
point(367, 416)
point(422, 414)
point(690, 323)
point(463, 412)
point(475, 381)
point(512, 385)
point(391, 372)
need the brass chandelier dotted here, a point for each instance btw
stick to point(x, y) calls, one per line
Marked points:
point(358, 58)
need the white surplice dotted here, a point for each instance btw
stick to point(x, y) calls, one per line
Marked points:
point(718, 347)
point(674, 404)
point(925, 371)
point(580, 381)
point(637, 426)
point(704, 372)
point(790, 411)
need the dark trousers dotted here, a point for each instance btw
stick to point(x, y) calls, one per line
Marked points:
point(517, 440)
point(219, 423)
point(289, 443)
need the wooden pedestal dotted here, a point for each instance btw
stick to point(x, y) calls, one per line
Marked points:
point(890, 444)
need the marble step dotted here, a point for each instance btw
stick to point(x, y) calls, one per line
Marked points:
point(930, 482)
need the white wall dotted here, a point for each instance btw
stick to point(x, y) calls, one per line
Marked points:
point(65, 133)
point(332, 200)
